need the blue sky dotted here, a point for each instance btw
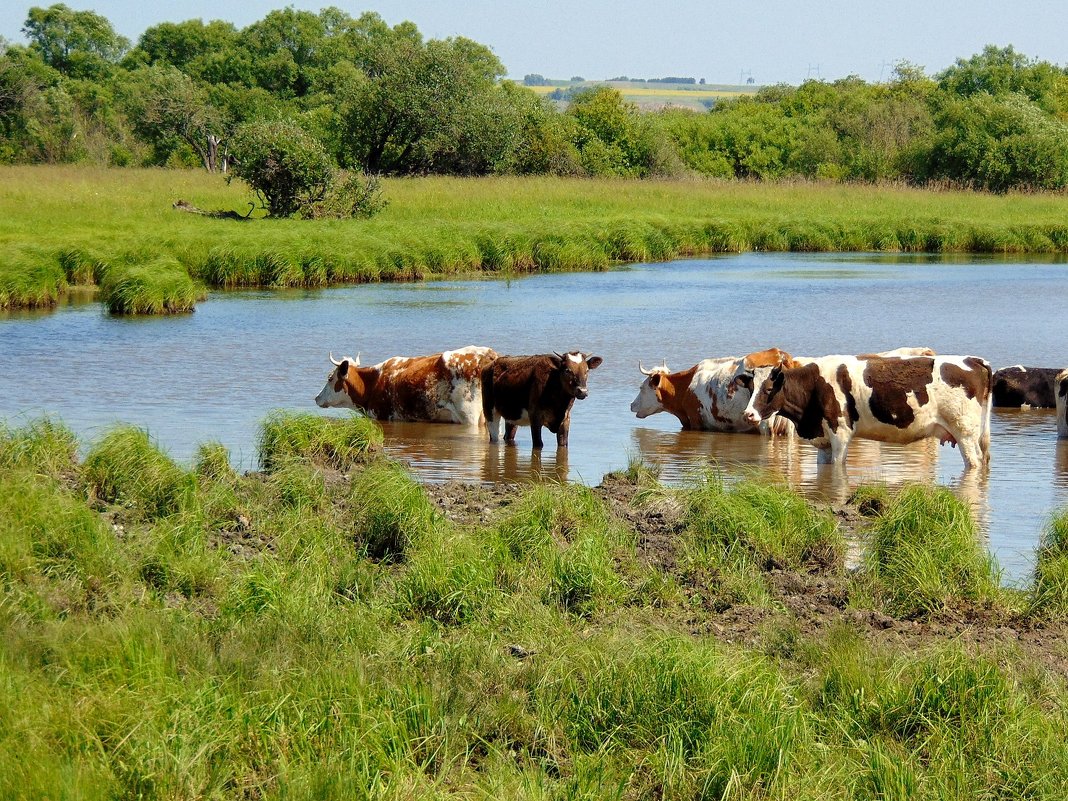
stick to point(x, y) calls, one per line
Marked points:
point(774, 41)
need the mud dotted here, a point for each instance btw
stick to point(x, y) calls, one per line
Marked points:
point(805, 605)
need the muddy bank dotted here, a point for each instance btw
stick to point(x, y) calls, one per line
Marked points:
point(805, 604)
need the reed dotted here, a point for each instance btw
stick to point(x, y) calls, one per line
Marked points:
point(103, 221)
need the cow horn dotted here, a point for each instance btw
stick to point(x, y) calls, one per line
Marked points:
point(334, 361)
point(643, 370)
point(558, 356)
point(356, 361)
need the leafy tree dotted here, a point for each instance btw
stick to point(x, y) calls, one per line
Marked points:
point(288, 169)
point(404, 105)
point(998, 143)
point(73, 42)
point(168, 105)
point(1003, 70)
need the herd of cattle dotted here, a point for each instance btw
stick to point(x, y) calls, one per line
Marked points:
point(901, 395)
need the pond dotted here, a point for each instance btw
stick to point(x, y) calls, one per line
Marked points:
point(216, 373)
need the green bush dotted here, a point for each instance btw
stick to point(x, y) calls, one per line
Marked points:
point(285, 166)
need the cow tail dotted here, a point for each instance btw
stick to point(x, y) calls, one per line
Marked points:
point(984, 430)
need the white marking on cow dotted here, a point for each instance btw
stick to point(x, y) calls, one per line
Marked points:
point(1062, 404)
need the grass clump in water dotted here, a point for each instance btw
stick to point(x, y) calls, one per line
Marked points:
point(925, 554)
point(1049, 593)
point(160, 286)
point(30, 282)
point(339, 443)
point(125, 467)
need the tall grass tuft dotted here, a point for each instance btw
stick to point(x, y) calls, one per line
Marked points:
point(1049, 590)
point(925, 554)
point(126, 468)
point(390, 511)
point(159, 286)
point(759, 522)
point(42, 446)
point(339, 443)
point(30, 281)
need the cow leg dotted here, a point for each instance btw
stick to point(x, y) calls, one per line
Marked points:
point(493, 424)
point(561, 434)
point(839, 444)
point(509, 432)
point(535, 434)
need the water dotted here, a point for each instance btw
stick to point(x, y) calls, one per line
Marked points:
point(216, 373)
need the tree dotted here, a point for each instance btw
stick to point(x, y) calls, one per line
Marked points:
point(81, 43)
point(288, 169)
point(167, 104)
point(1002, 70)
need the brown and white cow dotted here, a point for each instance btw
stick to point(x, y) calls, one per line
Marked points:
point(439, 388)
point(536, 391)
point(706, 397)
point(1025, 386)
point(1062, 404)
point(835, 398)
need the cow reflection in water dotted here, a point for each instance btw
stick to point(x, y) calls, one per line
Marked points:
point(513, 466)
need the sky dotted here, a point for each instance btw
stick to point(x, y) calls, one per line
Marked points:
point(774, 41)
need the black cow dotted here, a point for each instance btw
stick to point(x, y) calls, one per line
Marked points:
point(536, 391)
point(1030, 386)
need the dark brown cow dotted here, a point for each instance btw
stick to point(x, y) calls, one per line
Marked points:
point(1026, 386)
point(536, 391)
point(1062, 404)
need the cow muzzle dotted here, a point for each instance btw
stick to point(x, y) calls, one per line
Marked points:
point(581, 393)
point(752, 417)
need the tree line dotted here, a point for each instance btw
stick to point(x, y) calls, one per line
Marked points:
point(382, 99)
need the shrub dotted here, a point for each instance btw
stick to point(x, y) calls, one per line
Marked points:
point(350, 195)
point(287, 168)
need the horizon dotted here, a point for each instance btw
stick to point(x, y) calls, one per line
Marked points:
point(782, 44)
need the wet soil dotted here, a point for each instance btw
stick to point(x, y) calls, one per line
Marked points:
point(805, 604)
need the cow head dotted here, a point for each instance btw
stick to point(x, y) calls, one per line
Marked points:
point(574, 367)
point(650, 399)
point(334, 393)
point(766, 388)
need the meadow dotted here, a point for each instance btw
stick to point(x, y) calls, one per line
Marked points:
point(328, 628)
point(116, 230)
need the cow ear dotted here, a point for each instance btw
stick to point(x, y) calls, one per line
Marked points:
point(594, 362)
point(343, 368)
point(654, 380)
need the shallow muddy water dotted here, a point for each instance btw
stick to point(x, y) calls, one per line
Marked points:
point(216, 373)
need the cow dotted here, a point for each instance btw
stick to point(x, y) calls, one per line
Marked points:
point(1025, 386)
point(1062, 404)
point(536, 391)
point(834, 398)
point(706, 397)
point(439, 388)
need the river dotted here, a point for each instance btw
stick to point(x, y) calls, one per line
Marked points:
point(214, 374)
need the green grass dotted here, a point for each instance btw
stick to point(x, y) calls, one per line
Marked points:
point(925, 554)
point(117, 227)
point(735, 533)
point(1050, 585)
point(337, 442)
point(249, 644)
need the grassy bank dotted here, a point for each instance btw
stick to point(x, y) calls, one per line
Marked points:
point(305, 633)
point(72, 226)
